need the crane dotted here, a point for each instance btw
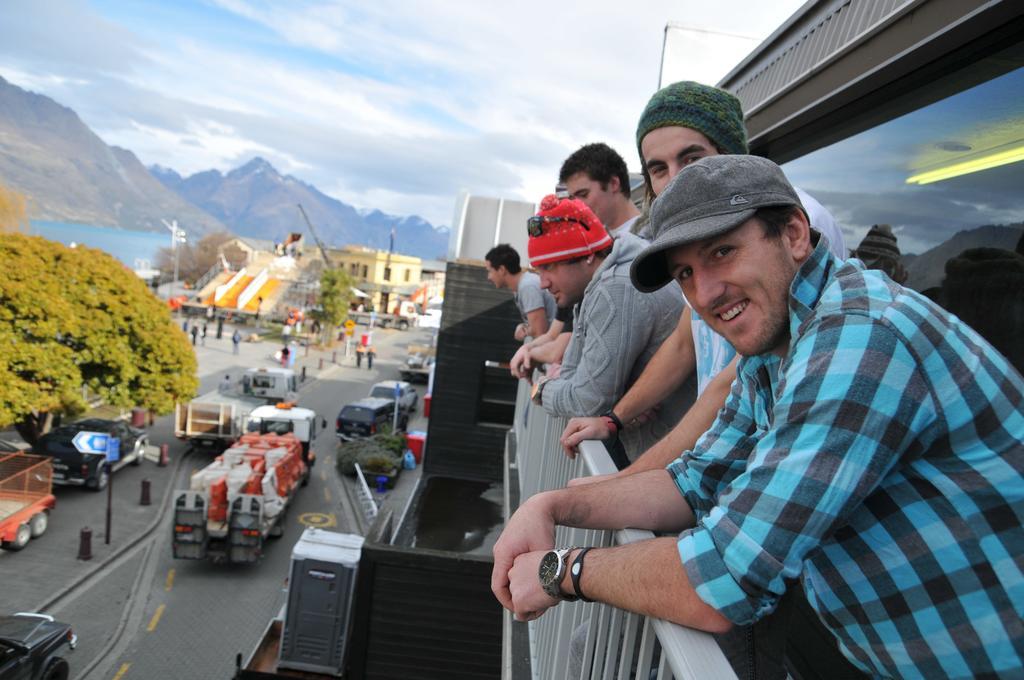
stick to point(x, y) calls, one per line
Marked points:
point(319, 243)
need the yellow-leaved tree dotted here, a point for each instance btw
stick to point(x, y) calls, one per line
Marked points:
point(13, 216)
point(74, 317)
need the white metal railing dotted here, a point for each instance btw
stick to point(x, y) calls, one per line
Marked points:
point(607, 642)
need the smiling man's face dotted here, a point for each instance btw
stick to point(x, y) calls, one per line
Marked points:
point(739, 282)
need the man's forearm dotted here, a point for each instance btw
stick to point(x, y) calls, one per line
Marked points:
point(550, 351)
point(695, 423)
point(648, 500)
point(648, 578)
point(668, 368)
point(537, 322)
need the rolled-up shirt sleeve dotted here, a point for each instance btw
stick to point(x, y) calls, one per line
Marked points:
point(847, 405)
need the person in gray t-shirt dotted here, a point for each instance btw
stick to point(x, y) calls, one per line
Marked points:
point(536, 306)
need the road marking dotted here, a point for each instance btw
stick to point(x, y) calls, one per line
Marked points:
point(170, 580)
point(122, 670)
point(327, 494)
point(156, 618)
point(319, 520)
point(323, 475)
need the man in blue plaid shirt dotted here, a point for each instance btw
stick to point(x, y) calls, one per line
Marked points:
point(870, 452)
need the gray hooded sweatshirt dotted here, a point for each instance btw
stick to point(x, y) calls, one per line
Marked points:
point(616, 331)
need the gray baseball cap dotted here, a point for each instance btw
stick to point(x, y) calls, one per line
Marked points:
point(709, 197)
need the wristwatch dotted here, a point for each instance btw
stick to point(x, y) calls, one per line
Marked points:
point(552, 570)
point(537, 394)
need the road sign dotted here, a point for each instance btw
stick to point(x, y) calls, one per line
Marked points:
point(113, 450)
point(350, 324)
point(91, 442)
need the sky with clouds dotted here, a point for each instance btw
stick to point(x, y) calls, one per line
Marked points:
point(395, 105)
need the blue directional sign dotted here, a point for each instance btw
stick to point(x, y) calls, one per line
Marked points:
point(113, 450)
point(91, 442)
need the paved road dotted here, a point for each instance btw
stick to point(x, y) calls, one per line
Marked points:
point(142, 614)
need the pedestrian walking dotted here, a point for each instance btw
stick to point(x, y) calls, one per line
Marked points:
point(202, 335)
point(195, 332)
point(184, 325)
point(236, 340)
point(285, 353)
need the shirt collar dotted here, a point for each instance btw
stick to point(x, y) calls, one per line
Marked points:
point(810, 280)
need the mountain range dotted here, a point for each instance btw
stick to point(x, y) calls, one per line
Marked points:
point(928, 269)
point(69, 174)
point(256, 200)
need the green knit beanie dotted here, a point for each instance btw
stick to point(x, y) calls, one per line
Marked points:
point(715, 113)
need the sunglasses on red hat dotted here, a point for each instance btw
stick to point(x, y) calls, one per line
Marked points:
point(535, 224)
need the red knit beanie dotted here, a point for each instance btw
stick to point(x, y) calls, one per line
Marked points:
point(564, 235)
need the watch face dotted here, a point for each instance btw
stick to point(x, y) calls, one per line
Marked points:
point(549, 568)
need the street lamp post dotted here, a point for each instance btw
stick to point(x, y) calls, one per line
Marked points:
point(177, 236)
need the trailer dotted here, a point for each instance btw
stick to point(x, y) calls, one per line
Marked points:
point(26, 498)
point(219, 417)
point(239, 500)
point(404, 315)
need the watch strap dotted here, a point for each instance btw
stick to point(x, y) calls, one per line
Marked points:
point(576, 573)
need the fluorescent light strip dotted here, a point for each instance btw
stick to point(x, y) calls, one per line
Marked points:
point(966, 167)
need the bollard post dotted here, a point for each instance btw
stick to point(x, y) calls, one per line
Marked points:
point(334, 357)
point(85, 544)
point(307, 349)
point(144, 499)
point(303, 374)
point(164, 455)
point(321, 366)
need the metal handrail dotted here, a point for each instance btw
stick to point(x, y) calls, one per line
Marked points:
point(215, 269)
point(608, 642)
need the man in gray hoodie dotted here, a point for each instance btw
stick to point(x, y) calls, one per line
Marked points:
point(617, 329)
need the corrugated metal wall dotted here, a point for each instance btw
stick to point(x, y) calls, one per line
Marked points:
point(825, 31)
point(465, 438)
point(424, 615)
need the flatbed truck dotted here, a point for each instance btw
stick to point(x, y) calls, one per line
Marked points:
point(239, 500)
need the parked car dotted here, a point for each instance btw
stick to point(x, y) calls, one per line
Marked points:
point(29, 647)
point(407, 396)
point(368, 416)
point(72, 467)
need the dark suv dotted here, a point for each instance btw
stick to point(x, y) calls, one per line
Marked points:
point(368, 416)
point(29, 644)
point(70, 466)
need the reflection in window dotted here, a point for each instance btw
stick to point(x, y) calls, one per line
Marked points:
point(875, 177)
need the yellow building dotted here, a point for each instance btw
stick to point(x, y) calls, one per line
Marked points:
point(383, 276)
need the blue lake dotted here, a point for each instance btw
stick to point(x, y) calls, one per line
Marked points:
point(126, 245)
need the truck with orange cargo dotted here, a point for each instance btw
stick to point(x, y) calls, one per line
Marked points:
point(240, 499)
point(26, 498)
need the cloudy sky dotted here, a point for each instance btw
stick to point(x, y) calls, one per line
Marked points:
point(394, 104)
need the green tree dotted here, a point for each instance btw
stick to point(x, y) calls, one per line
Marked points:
point(76, 317)
point(335, 298)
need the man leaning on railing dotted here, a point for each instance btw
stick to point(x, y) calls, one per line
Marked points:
point(871, 452)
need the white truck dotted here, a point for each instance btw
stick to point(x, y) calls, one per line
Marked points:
point(218, 418)
point(284, 418)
